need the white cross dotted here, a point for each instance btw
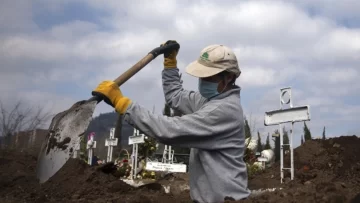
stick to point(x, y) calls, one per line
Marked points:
point(91, 144)
point(280, 116)
point(110, 143)
point(134, 140)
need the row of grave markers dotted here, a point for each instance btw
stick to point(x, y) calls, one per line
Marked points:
point(91, 145)
point(134, 140)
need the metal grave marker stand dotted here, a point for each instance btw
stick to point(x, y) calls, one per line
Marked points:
point(278, 117)
point(134, 140)
point(91, 144)
point(168, 155)
point(110, 143)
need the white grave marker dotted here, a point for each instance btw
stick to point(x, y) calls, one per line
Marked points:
point(110, 143)
point(159, 166)
point(91, 144)
point(134, 140)
point(280, 116)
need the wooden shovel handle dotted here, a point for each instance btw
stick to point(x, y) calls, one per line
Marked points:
point(143, 62)
point(128, 74)
point(133, 70)
point(138, 66)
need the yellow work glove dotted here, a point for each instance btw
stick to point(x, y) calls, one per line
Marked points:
point(112, 95)
point(170, 55)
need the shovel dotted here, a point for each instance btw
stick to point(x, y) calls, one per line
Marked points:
point(68, 126)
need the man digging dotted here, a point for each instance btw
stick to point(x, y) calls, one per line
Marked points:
point(212, 125)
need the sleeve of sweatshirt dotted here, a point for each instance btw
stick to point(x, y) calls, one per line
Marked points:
point(205, 129)
point(182, 100)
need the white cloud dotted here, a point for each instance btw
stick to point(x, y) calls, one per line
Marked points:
point(339, 44)
point(72, 31)
point(278, 43)
point(343, 75)
point(103, 46)
point(248, 54)
point(18, 14)
point(336, 10)
point(257, 76)
point(33, 48)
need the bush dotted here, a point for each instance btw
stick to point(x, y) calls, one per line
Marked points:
point(253, 170)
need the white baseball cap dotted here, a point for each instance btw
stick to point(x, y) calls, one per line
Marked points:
point(213, 60)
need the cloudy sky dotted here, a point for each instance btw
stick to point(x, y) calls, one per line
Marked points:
point(53, 53)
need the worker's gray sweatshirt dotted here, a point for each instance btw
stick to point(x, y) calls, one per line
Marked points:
point(214, 130)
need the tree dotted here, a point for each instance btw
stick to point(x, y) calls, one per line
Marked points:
point(307, 133)
point(259, 144)
point(277, 145)
point(286, 139)
point(247, 129)
point(267, 144)
point(250, 126)
point(323, 134)
point(20, 117)
point(117, 134)
point(302, 139)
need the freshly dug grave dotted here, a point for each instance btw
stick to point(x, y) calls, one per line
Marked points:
point(325, 171)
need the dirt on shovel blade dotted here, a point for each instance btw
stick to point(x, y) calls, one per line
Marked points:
point(325, 171)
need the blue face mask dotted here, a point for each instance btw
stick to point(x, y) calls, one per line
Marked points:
point(208, 89)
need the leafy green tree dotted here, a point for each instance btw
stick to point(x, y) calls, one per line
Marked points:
point(259, 144)
point(307, 133)
point(247, 129)
point(117, 134)
point(277, 145)
point(267, 144)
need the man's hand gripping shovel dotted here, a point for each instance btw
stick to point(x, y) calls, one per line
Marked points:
point(66, 127)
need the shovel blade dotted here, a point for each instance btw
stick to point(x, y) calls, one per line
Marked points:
point(63, 138)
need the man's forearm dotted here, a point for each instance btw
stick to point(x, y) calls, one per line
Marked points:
point(182, 100)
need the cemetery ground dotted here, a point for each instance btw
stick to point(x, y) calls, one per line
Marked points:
point(325, 171)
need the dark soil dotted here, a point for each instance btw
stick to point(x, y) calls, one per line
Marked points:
point(325, 171)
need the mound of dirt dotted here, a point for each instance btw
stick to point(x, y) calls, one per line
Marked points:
point(75, 182)
point(325, 171)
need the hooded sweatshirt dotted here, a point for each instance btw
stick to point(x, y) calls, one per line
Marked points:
point(213, 129)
